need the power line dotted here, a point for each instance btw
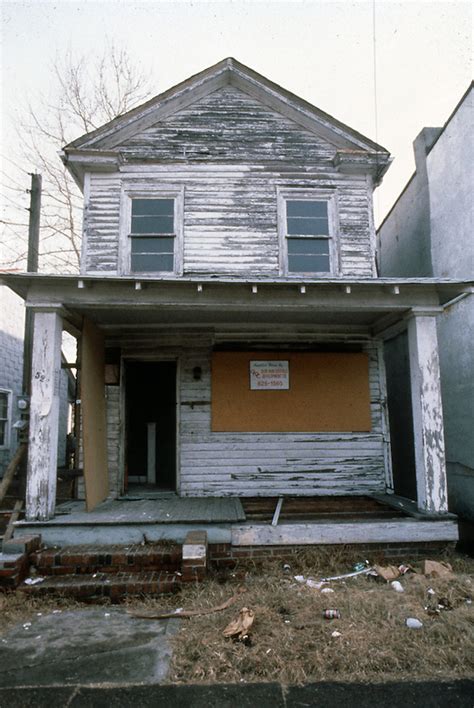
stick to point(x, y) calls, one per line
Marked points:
point(22, 169)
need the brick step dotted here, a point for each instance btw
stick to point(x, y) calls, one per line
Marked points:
point(104, 585)
point(87, 560)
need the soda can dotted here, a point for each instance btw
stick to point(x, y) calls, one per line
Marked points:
point(332, 614)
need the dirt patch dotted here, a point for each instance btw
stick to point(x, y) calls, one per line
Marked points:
point(290, 639)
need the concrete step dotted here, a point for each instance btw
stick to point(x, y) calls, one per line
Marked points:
point(112, 559)
point(105, 585)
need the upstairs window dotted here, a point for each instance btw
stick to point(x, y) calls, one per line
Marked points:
point(152, 235)
point(307, 232)
point(306, 235)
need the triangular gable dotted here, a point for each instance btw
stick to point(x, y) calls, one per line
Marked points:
point(227, 72)
point(227, 125)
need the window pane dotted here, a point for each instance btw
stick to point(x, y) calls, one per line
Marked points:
point(307, 225)
point(152, 207)
point(152, 225)
point(3, 406)
point(150, 263)
point(307, 246)
point(3, 432)
point(306, 208)
point(152, 245)
point(308, 264)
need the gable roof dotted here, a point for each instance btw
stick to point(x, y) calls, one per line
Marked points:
point(105, 141)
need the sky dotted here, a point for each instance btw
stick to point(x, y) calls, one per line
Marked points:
point(387, 69)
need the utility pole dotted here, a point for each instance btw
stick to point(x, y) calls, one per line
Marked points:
point(32, 267)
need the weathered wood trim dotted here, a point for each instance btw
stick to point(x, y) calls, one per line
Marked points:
point(372, 230)
point(44, 416)
point(329, 196)
point(150, 190)
point(427, 414)
point(400, 531)
point(85, 223)
point(385, 418)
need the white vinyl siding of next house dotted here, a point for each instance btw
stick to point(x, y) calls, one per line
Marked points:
point(152, 232)
point(307, 232)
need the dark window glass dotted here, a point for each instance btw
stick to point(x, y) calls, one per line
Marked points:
point(308, 264)
point(152, 207)
point(3, 405)
point(311, 227)
point(307, 208)
point(152, 262)
point(307, 218)
point(308, 246)
point(152, 245)
point(152, 216)
point(152, 225)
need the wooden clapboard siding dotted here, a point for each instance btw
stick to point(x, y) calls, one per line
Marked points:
point(230, 217)
point(101, 223)
point(225, 125)
point(231, 154)
point(253, 464)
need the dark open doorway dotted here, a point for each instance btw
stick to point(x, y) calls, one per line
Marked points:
point(150, 402)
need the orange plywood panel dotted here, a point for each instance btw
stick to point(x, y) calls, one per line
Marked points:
point(96, 476)
point(328, 392)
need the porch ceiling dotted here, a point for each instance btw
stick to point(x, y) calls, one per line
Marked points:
point(210, 316)
point(114, 301)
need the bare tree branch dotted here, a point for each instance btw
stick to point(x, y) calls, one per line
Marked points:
point(86, 92)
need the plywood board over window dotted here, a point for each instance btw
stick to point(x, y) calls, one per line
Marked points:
point(327, 392)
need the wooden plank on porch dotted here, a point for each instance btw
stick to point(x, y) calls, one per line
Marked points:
point(395, 531)
point(94, 431)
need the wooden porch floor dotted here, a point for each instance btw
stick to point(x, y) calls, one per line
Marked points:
point(302, 509)
point(243, 522)
point(163, 509)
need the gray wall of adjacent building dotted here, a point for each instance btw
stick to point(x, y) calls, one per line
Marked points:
point(430, 232)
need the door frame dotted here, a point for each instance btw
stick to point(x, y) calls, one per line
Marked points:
point(149, 359)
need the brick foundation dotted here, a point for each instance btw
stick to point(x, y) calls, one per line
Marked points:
point(222, 555)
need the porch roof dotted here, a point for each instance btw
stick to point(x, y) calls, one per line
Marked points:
point(112, 301)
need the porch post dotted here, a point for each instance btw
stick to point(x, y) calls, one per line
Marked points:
point(427, 413)
point(44, 416)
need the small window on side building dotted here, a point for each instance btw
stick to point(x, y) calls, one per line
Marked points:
point(4, 418)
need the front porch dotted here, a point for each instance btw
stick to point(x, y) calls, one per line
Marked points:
point(333, 444)
point(245, 522)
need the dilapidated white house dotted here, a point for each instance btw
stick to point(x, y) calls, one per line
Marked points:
point(231, 317)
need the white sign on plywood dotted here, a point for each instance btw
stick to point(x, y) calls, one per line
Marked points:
point(269, 375)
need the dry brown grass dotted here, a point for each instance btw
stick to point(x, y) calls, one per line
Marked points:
point(291, 641)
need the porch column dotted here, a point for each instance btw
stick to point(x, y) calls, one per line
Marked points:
point(44, 416)
point(427, 413)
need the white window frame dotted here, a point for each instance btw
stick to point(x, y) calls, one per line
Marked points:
point(8, 426)
point(150, 192)
point(309, 195)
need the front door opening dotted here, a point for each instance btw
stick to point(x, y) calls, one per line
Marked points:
point(150, 402)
